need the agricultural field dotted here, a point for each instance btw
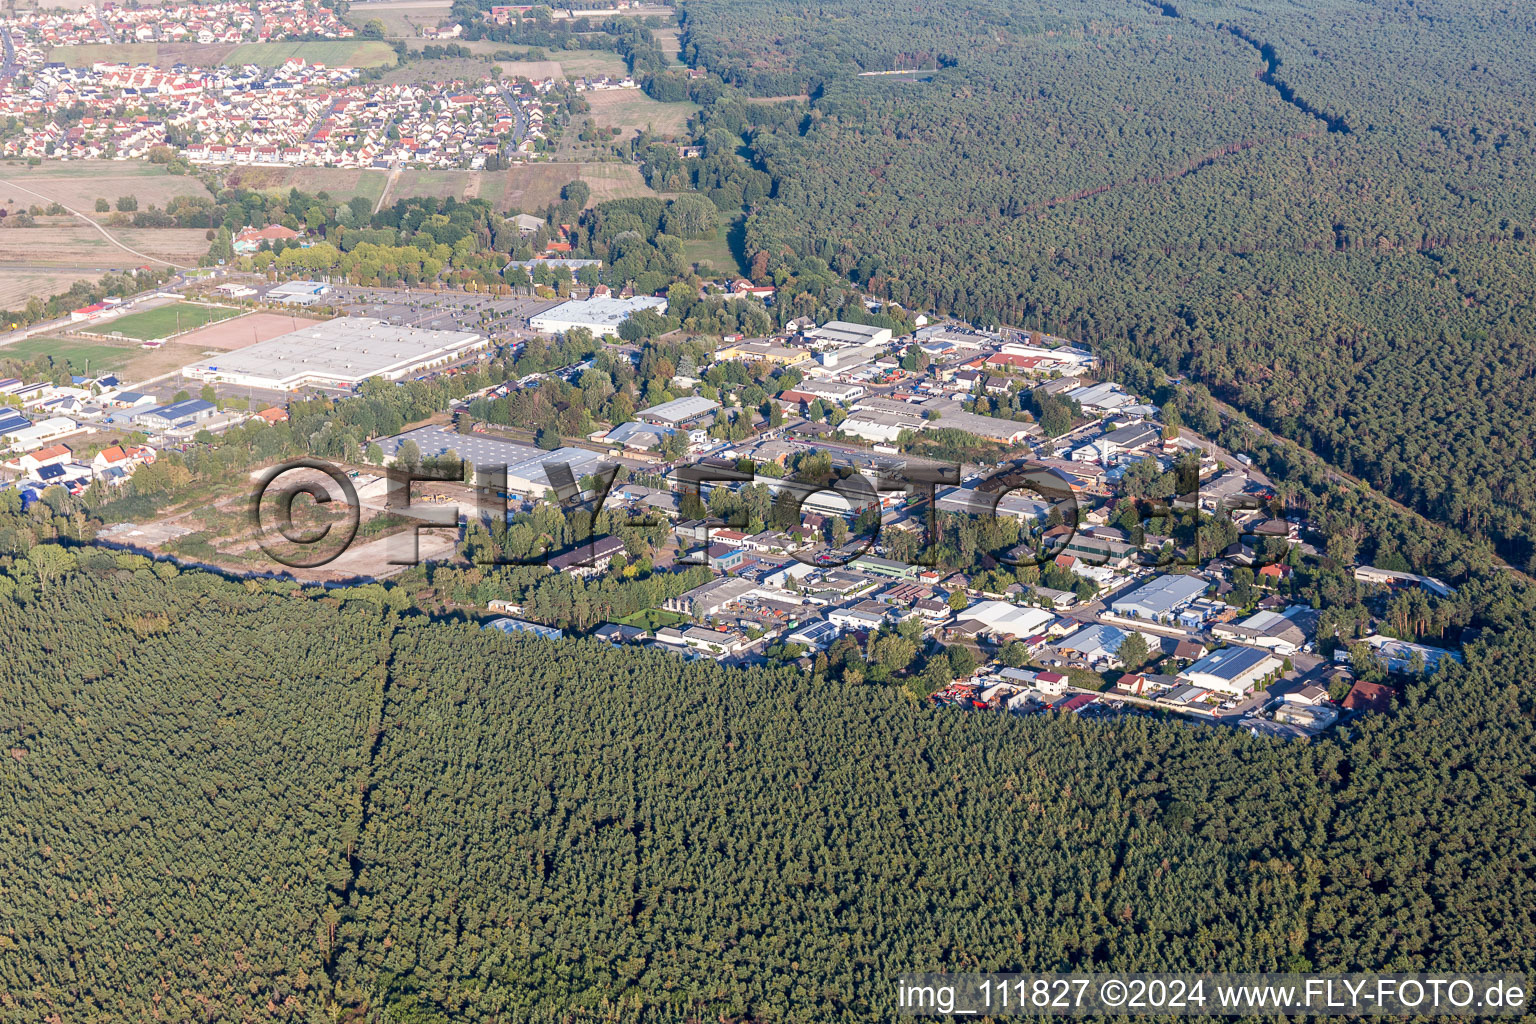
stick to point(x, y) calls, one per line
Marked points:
point(20, 283)
point(167, 320)
point(159, 54)
point(82, 355)
point(79, 184)
point(632, 111)
point(533, 70)
point(337, 53)
point(587, 63)
point(338, 182)
point(72, 245)
point(425, 72)
point(401, 20)
point(670, 41)
point(528, 187)
point(568, 64)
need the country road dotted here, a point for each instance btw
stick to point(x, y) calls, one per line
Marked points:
point(104, 232)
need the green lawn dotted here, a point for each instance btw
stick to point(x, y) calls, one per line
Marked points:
point(101, 358)
point(723, 252)
point(167, 320)
point(652, 618)
point(352, 53)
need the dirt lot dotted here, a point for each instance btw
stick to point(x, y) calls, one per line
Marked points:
point(229, 335)
point(632, 110)
point(80, 184)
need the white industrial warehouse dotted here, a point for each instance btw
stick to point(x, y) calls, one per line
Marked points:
point(337, 353)
point(600, 316)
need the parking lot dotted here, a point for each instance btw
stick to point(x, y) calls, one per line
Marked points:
point(461, 311)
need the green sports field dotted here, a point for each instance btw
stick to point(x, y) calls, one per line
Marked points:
point(167, 320)
point(81, 355)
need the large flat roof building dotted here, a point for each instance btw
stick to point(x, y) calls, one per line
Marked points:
point(479, 450)
point(678, 411)
point(600, 316)
point(1232, 670)
point(841, 332)
point(298, 293)
point(1161, 598)
point(337, 353)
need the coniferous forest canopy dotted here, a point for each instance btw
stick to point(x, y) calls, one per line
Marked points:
point(246, 801)
point(1323, 209)
point(228, 800)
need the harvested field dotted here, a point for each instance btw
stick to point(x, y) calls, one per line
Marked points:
point(586, 63)
point(159, 54)
point(338, 53)
point(339, 182)
point(528, 187)
point(79, 184)
point(401, 20)
point(85, 250)
point(228, 335)
point(533, 70)
point(447, 69)
point(18, 284)
point(632, 111)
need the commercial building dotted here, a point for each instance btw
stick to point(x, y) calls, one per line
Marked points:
point(589, 558)
point(1234, 671)
point(842, 333)
point(1096, 644)
point(177, 414)
point(521, 626)
point(478, 450)
point(679, 411)
point(763, 352)
point(988, 428)
point(1281, 632)
point(35, 434)
point(544, 471)
point(337, 353)
point(836, 392)
point(1008, 504)
point(700, 639)
point(710, 598)
point(1003, 619)
point(600, 316)
point(1161, 599)
point(298, 293)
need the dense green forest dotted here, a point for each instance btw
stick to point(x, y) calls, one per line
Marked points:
point(247, 801)
point(1322, 209)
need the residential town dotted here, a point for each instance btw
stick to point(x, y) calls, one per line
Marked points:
point(296, 114)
